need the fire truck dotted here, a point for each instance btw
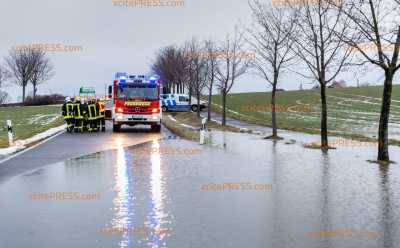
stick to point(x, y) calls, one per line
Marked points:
point(135, 100)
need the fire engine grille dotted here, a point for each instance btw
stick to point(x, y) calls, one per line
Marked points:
point(138, 110)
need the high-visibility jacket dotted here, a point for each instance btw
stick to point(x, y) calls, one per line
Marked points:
point(77, 110)
point(67, 110)
point(102, 110)
point(70, 112)
point(92, 112)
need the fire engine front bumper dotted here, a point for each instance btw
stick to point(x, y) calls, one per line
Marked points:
point(132, 119)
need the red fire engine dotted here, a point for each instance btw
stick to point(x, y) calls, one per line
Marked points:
point(135, 100)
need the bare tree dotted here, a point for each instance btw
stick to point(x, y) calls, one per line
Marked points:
point(198, 71)
point(212, 65)
point(233, 65)
point(42, 71)
point(21, 65)
point(3, 97)
point(3, 77)
point(181, 69)
point(319, 48)
point(374, 32)
point(270, 38)
point(165, 66)
point(191, 51)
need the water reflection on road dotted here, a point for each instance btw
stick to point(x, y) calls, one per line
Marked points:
point(124, 202)
point(153, 199)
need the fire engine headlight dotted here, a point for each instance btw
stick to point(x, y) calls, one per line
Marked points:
point(119, 117)
point(155, 110)
point(119, 110)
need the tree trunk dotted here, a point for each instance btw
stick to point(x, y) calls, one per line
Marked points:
point(273, 105)
point(34, 91)
point(324, 118)
point(223, 108)
point(190, 95)
point(209, 102)
point(198, 104)
point(23, 93)
point(383, 152)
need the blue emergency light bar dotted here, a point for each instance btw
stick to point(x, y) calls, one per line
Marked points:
point(123, 76)
point(118, 75)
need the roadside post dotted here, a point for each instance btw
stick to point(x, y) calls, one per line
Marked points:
point(10, 133)
point(203, 131)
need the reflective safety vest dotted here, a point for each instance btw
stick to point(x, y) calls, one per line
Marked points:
point(69, 111)
point(102, 110)
point(92, 112)
point(77, 111)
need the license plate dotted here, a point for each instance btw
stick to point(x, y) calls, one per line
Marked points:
point(138, 116)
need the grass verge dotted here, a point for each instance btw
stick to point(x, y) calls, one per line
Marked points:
point(353, 113)
point(28, 121)
point(190, 119)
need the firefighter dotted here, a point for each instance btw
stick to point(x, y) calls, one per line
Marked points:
point(78, 115)
point(67, 112)
point(92, 116)
point(101, 115)
point(85, 121)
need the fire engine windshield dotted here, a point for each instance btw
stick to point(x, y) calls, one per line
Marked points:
point(133, 92)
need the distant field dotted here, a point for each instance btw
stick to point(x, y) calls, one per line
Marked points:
point(351, 111)
point(28, 121)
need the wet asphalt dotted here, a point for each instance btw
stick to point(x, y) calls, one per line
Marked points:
point(67, 146)
point(141, 189)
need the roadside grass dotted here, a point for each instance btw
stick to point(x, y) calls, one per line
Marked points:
point(190, 119)
point(352, 112)
point(28, 121)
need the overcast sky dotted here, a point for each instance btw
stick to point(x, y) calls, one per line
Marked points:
point(118, 38)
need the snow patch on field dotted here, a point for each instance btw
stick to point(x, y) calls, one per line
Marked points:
point(187, 126)
point(21, 144)
point(41, 119)
point(367, 97)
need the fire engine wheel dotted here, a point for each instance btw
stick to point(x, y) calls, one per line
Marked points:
point(164, 109)
point(156, 128)
point(116, 127)
point(194, 108)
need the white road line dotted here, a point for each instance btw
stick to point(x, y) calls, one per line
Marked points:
point(30, 148)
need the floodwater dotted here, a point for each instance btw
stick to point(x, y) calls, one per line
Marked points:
point(166, 193)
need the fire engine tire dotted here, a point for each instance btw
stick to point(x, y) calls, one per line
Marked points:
point(116, 127)
point(156, 128)
point(164, 109)
point(194, 108)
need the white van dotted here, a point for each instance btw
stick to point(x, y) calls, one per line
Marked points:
point(179, 102)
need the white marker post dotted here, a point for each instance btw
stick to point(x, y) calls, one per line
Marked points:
point(10, 133)
point(203, 131)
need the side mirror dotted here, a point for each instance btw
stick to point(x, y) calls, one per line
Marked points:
point(110, 91)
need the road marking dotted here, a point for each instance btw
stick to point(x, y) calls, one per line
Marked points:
point(32, 147)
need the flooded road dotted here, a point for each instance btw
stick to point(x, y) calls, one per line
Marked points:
point(242, 191)
point(66, 146)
